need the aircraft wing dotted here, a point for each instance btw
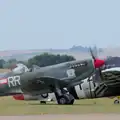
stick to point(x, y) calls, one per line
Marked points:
point(41, 85)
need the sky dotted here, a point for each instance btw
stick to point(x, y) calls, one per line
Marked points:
point(41, 24)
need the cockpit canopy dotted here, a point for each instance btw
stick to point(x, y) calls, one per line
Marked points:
point(20, 68)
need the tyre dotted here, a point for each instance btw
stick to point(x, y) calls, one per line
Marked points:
point(116, 102)
point(71, 100)
point(66, 99)
point(62, 100)
point(43, 102)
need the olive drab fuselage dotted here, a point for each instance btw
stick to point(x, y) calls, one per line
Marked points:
point(44, 79)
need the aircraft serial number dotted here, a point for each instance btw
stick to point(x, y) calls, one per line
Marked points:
point(14, 81)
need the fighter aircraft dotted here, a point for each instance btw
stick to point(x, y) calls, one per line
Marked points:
point(88, 89)
point(49, 79)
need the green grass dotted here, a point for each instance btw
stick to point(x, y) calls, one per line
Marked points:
point(4, 70)
point(9, 106)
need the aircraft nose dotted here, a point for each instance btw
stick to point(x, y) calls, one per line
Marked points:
point(98, 63)
point(18, 97)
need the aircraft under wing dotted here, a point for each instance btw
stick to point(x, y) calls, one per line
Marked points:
point(41, 85)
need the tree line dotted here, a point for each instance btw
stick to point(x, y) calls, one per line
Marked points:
point(41, 60)
point(47, 59)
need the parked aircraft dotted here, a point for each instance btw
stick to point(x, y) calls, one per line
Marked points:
point(88, 89)
point(50, 79)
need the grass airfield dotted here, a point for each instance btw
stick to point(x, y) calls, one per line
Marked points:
point(9, 106)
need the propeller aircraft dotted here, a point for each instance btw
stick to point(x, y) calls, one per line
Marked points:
point(88, 89)
point(49, 79)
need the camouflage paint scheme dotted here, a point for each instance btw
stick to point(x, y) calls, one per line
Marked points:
point(47, 79)
point(88, 89)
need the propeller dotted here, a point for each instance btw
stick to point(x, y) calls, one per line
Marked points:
point(98, 64)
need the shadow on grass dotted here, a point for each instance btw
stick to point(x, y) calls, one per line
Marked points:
point(64, 105)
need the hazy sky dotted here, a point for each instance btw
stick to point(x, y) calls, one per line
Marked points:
point(59, 23)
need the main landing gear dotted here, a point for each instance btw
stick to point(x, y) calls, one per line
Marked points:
point(64, 97)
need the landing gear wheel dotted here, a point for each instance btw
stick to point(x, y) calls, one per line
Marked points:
point(43, 102)
point(66, 99)
point(116, 102)
point(71, 100)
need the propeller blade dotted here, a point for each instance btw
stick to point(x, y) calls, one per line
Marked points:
point(101, 75)
point(98, 63)
point(95, 51)
point(97, 76)
point(91, 52)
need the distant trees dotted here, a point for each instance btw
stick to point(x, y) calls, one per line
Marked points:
point(2, 62)
point(42, 60)
point(9, 63)
point(46, 59)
